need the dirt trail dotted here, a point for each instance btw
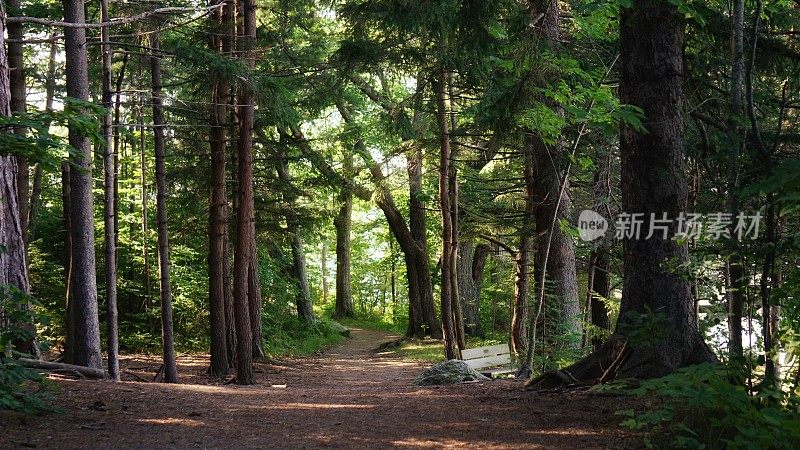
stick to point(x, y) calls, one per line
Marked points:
point(347, 397)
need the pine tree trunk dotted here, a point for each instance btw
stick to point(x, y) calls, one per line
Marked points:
point(245, 207)
point(449, 292)
point(218, 207)
point(323, 266)
point(109, 185)
point(303, 300)
point(170, 367)
point(560, 271)
point(343, 224)
point(145, 224)
point(16, 65)
point(69, 304)
point(653, 181)
point(519, 309)
point(736, 277)
point(117, 142)
point(83, 283)
point(599, 288)
point(13, 265)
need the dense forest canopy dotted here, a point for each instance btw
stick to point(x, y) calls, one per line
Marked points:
point(610, 187)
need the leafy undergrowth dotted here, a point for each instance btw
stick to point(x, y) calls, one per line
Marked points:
point(298, 339)
point(698, 408)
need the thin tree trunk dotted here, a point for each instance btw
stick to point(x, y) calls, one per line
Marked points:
point(170, 367)
point(69, 304)
point(449, 292)
point(116, 135)
point(323, 266)
point(86, 351)
point(735, 288)
point(218, 208)
point(109, 185)
point(245, 207)
point(599, 290)
point(145, 225)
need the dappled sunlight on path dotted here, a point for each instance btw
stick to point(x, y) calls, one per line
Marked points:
point(348, 397)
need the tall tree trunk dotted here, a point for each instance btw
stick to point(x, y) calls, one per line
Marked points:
point(519, 311)
point(343, 224)
point(145, 224)
point(109, 185)
point(449, 290)
point(422, 309)
point(653, 181)
point(218, 207)
point(599, 280)
point(560, 271)
point(16, 65)
point(170, 368)
point(117, 141)
point(86, 351)
point(736, 276)
point(13, 265)
point(245, 207)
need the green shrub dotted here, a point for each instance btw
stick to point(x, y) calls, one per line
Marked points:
point(21, 389)
point(697, 407)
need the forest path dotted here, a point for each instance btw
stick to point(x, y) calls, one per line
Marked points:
point(347, 397)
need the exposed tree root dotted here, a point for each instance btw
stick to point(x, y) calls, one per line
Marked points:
point(617, 359)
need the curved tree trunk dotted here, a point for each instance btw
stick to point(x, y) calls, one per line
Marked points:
point(305, 309)
point(652, 182)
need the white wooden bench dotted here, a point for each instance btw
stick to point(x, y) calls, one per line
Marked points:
point(489, 360)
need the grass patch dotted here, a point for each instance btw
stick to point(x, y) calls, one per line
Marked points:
point(302, 340)
point(371, 323)
point(418, 350)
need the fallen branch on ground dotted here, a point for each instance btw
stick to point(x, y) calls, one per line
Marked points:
point(54, 366)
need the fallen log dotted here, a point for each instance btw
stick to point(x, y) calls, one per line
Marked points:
point(54, 366)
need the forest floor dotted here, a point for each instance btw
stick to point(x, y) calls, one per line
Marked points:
point(346, 397)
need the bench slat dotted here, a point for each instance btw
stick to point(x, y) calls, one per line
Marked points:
point(489, 361)
point(481, 352)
